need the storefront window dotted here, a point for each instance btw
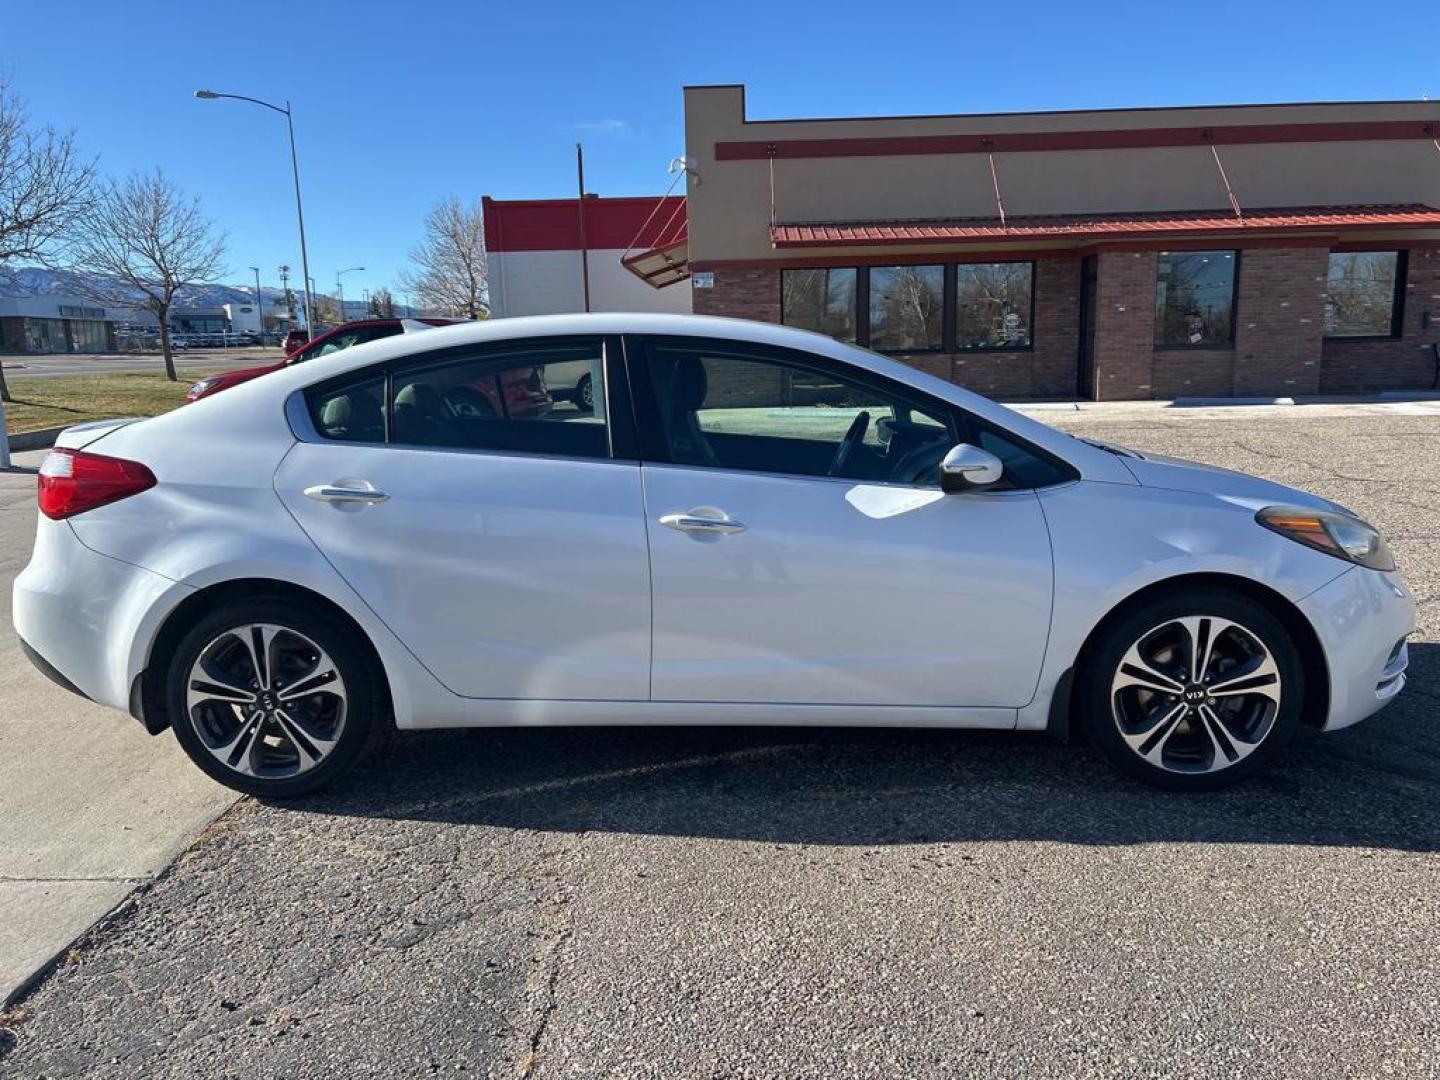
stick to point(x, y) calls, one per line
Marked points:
point(821, 300)
point(993, 305)
point(87, 335)
point(907, 308)
point(1362, 295)
point(1195, 298)
point(45, 335)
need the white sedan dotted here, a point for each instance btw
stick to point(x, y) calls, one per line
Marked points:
point(750, 525)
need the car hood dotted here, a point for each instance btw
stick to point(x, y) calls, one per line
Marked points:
point(1177, 474)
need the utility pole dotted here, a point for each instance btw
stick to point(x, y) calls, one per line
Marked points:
point(4, 437)
point(259, 305)
point(584, 254)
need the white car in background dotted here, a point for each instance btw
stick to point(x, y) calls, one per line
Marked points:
point(752, 525)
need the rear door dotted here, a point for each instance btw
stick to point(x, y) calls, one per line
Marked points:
point(504, 545)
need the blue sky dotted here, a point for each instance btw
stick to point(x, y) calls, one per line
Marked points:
point(398, 104)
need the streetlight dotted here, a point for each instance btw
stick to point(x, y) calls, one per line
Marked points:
point(211, 95)
point(340, 287)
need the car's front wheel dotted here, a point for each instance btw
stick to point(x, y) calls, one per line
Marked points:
point(1193, 691)
point(272, 697)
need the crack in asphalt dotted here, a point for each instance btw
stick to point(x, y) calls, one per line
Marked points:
point(557, 917)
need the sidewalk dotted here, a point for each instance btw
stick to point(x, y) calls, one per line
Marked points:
point(1417, 402)
point(93, 807)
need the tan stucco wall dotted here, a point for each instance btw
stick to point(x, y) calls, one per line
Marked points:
point(729, 203)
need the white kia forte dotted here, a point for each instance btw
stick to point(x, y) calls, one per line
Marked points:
point(743, 524)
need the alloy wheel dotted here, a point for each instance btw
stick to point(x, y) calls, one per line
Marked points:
point(1196, 694)
point(266, 701)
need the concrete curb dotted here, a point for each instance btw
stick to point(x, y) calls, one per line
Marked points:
point(35, 440)
point(1213, 402)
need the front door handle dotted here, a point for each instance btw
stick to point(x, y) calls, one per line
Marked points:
point(342, 493)
point(695, 523)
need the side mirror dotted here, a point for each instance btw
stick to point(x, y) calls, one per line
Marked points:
point(967, 468)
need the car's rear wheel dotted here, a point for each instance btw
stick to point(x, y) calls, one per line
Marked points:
point(273, 698)
point(1193, 691)
point(585, 393)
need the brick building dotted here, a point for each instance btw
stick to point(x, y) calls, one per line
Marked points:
point(1236, 250)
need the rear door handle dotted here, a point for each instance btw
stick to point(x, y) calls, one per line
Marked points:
point(693, 523)
point(339, 493)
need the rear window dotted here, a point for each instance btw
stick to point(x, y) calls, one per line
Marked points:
point(350, 412)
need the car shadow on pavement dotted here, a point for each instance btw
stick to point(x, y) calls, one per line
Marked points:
point(1374, 785)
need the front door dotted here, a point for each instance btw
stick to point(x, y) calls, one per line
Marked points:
point(485, 520)
point(802, 551)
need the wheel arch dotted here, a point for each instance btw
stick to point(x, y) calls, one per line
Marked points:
point(147, 693)
point(1316, 703)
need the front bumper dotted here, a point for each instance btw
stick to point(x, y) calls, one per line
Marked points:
point(1362, 619)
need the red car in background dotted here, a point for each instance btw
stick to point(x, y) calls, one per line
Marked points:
point(341, 337)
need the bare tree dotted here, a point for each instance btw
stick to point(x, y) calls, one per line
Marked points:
point(382, 303)
point(45, 186)
point(143, 242)
point(449, 276)
point(327, 310)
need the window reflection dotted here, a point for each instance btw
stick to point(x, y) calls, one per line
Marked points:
point(907, 306)
point(820, 299)
point(1360, 298)
point(1195, 298)
point(993, 305)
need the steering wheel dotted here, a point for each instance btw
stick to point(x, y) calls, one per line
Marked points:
point(466, 401)
point(847, 445)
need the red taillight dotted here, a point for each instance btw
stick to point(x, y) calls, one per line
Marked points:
point(72, 481)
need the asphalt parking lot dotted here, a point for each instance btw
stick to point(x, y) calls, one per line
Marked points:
point(817, 903)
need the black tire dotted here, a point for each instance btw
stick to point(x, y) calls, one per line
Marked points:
point(361, 685)
point(585, 394)
point(1152, 627)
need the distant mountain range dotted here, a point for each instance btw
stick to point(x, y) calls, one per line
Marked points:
point(25, 281)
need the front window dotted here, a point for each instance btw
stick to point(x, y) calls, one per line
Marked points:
point(1195, 298)
point(736, 410)
point(821, 300)
point(1362, 296)
point(993, 305)
point(907, 306)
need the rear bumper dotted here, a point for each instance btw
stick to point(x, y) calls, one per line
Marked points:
point(86, 620)
point(49, 670)
point(1362, 619)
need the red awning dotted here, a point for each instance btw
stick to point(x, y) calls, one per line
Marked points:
point(1150, 226)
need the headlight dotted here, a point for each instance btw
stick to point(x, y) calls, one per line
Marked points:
point(1342, 535)
point(202, 386)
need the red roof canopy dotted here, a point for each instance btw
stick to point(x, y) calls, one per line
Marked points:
point(1153, 225)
